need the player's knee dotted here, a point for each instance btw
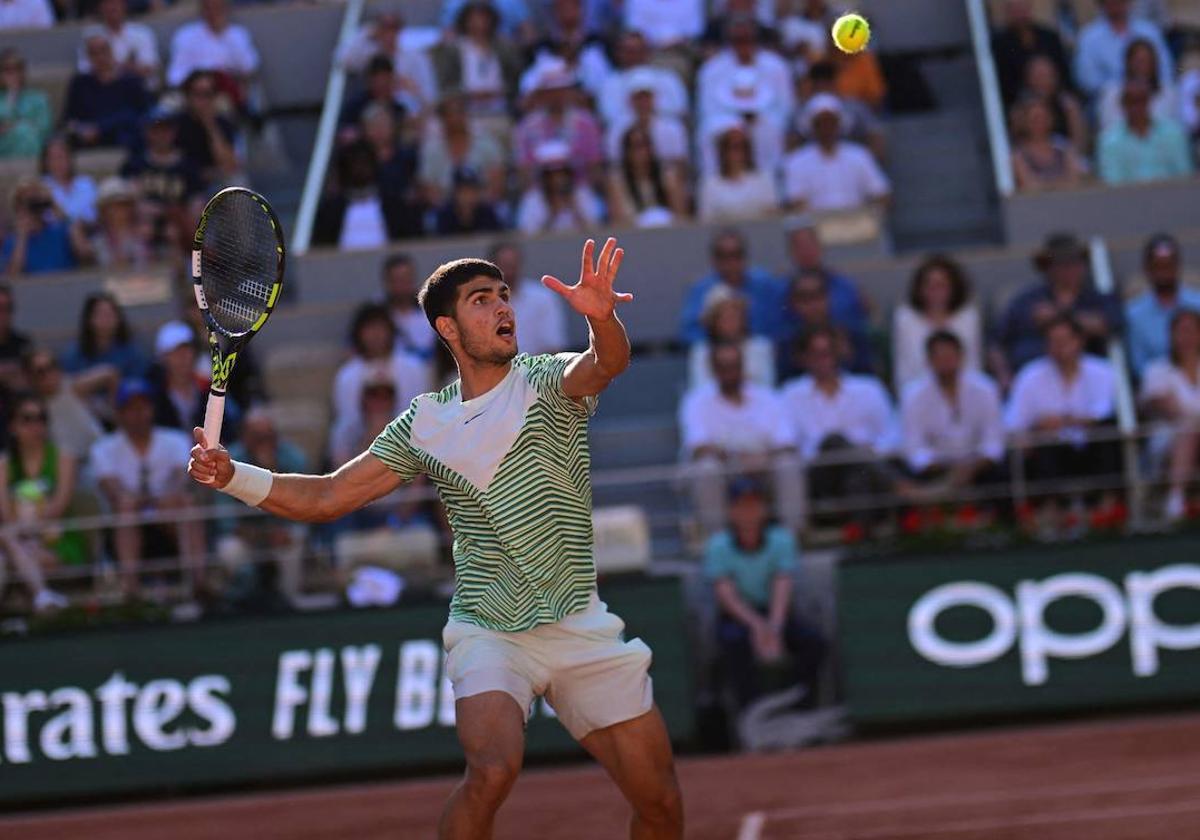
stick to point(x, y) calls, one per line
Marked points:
point(662, 805)
point(491, 777)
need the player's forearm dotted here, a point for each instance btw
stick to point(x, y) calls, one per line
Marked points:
point(609, 346)
point(302, 498)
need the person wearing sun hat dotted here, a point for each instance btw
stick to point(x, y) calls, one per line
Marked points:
point(119, 240)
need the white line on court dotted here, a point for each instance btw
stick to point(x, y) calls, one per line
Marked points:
point(752, 826)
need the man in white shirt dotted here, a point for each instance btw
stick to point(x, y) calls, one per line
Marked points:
point(141, 469)
point(212, 43)
point(831, 174)
point(399, 280)
point(951, 419)
point(26, 14)
point(1056, 401)
point(133, 44)
point(666, 23)
point(632, 57)
point(748, 82)
point(732, 426)
point(538, 311)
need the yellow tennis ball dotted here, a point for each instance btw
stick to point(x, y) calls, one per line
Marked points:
point(851, 33)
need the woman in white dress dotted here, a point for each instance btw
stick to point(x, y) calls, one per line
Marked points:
point(1171, 392)
point(939, 298)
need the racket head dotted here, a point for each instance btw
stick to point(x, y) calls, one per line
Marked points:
point(237, 262)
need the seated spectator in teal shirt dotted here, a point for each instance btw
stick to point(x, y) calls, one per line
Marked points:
point(1142, 148)
point(1148, 316)
point(750, 565)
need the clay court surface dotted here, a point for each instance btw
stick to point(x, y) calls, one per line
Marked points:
point(1126, 779)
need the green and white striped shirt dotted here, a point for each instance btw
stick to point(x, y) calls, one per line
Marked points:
point(512, 467)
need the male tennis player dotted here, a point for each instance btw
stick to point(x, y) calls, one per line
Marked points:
point(506, 446)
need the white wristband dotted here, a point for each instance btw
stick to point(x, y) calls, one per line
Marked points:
point(250, 484)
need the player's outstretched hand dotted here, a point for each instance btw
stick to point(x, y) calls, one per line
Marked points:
point(593, 296)
point(209, 466)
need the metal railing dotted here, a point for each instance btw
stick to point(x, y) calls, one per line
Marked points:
point(993, 105)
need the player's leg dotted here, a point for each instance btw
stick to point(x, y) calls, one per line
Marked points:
point(637, 755)
point(491, 729)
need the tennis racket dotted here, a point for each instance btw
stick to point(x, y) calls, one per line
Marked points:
point(237, 272)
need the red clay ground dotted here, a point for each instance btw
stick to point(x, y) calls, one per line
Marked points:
point(1121, 780)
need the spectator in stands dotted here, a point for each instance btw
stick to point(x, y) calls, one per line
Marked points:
point(846, 305)
point(1042, 160)
point(560, 199)
point(1019, 42)
point(206, 137)
point(808, 308)
point(643, 189)
point(951, 419)
point(1068, 120)
point(414, 86)
point(217, 45)
point(832, 174)
point(395, 160)
point(803, 35)
point(749, 83)
point(14, 345)
point(376, 408)
point(376, 352)
point(1149, 315)
point(1141, 65)
point(73, 427)
point(1100, 51)
point(731, 427)
point(24, 113)
point(515, 20)
point(763, 292)
point(1057, 400)
point(665, 24)
point(466, 210)
point(379, 88)
point(860, 77)
point(667, 134)
point(1065, 290)
point(104, 106)
point(859, 124)
point(750, 565)
point(555, 114)
point(133, 44)
point(414, 335)
point(480, 62)
point(357, 214)
point(122, 237)
point(1189, 96)
point(537, 310)
point(105, 340)
point(180, 392)
point(166, 180)
point(42, 239)
point(1171, 392)
point(453, 141)
point(632, 56)
point(740, 188)
point(37, 487)
point(267, 550)
point(1143, 147)
point(939, 300)
point(74, 194)
point(850, 415)
point(141, 469)
point(726, 320)
point(566, 37)
point(26, 14)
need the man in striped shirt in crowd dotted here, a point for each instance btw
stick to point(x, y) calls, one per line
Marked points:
point(506, 446)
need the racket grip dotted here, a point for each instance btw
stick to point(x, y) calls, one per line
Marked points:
point(214, 415)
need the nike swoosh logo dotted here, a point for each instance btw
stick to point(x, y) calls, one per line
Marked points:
point(476, 417)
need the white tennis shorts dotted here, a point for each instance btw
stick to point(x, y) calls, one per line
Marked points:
point(588, 673)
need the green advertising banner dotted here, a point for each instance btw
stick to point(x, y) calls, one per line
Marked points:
point(268, 699)
point(1041, 629)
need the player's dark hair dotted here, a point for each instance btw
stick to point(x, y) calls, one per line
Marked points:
point(960, 286)
point(439, 292)
point(942, 337)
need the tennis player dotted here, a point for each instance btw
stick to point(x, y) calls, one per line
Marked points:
point(506, 446)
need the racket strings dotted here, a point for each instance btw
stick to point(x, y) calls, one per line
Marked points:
point(239, 262)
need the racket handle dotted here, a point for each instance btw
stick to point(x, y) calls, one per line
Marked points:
point(214, 415)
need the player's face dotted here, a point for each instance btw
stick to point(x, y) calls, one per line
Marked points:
point(484, 323)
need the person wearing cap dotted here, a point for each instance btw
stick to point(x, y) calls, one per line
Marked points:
point(751, 566)
point(141, 468)
point(104, 105)
point(559, 199)
point(180, 392)
point(133, 44)
point(537, 310)
point(830, 173)
point(41, 238)
point(1065, 289)
point(452, 142)
point(634, 71)
point(731, 426)
point(859, 123)
point(120, 240)
point(466, 211)
point(1148, 316)
point(1143, 147)
point(556, 116)
point(731, 268)
point(739, 187)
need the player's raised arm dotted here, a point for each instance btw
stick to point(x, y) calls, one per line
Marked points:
point(593, 298)
point(303, 498)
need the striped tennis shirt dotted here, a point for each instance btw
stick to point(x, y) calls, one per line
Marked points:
point(512, 468)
